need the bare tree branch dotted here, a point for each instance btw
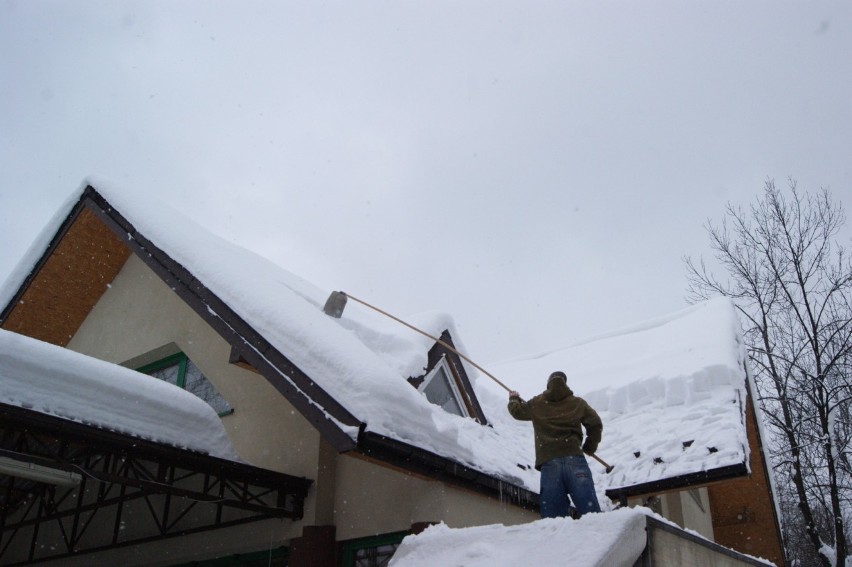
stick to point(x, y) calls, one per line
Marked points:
point(792, 284)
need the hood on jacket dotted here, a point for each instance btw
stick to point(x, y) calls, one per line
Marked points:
point(557, 390)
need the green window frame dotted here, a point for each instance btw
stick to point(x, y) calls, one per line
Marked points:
point(371, 551)
point(184, 367)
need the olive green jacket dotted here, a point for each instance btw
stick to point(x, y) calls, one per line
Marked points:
point(557, 416)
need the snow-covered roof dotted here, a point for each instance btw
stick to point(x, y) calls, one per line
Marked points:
point(56, 381)
point(670, 392)
point(362, 360)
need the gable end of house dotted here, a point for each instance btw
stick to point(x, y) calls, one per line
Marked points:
point(63, 287)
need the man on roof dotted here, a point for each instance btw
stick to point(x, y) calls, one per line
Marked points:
point(558, 418)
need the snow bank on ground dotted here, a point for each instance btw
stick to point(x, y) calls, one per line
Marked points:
point(56, 381)
point(614, 539)
point(670, 392)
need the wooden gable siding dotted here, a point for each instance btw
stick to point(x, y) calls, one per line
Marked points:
point(68, 281)
point(743, 511)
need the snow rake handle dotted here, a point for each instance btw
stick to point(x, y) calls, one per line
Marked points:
point(424, 333)
point(337, 302)
point(604, 463)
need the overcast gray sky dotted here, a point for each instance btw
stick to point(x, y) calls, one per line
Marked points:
point(536, 169)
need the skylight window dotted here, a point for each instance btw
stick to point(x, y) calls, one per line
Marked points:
point(440, 388)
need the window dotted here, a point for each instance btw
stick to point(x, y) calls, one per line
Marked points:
point(441, 389)
point(372, 551)
point(179, 370)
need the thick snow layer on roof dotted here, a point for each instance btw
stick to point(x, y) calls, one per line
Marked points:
point(613, 539)
point(671, 392)
point(53, 380)
point(362, 359)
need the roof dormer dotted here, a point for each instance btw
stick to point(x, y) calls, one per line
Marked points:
point(446, 382)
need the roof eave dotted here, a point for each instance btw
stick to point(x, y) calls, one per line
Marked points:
point(420, 461)
point(680, 482)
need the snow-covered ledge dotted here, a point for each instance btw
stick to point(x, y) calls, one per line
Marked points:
point(53, 380)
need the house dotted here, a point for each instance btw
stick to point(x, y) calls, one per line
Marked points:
point(332, 453)
point(680, 423)
point(322, 441)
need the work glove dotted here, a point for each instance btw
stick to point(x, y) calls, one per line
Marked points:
point(589, 448)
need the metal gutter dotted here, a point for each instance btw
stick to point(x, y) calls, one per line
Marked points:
point(690, 480)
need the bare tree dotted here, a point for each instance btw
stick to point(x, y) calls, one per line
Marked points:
point(792, 283)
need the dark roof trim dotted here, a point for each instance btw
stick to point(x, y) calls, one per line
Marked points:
point(423, 462)
point(679, 482)
point(296, 386)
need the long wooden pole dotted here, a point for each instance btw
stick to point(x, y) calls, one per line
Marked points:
point(436, 339)
point(608, 467)
point(453, 349)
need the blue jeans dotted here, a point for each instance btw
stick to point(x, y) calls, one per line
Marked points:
point(563, 476)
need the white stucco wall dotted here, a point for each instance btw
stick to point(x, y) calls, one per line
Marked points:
point(372, 499)
point(695, 506)
point(140, 320)
point(690, 509)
